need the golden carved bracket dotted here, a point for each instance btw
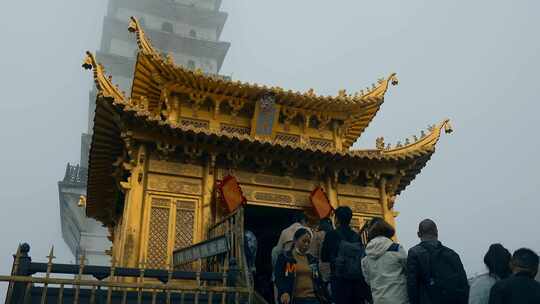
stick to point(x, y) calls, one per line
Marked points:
point(235, 158)
point(192, 153)
point(236, 105)
point(165, 150)
point(317, 170)
point(289, 166)
point(351, 174)
point(262, 163)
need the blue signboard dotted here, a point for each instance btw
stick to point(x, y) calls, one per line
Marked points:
point(201, 250)
point(267, 115)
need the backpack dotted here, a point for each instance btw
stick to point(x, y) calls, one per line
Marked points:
point(348, 263)
point(443, 282)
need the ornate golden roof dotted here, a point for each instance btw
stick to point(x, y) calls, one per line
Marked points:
point(139, 108)
point(155, 73)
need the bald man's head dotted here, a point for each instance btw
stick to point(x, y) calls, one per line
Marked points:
point(427, 230)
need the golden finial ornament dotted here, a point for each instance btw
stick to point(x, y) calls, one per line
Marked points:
point(379, 143)
point(82, 201)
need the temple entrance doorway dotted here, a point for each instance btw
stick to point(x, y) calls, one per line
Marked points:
point(266, 223)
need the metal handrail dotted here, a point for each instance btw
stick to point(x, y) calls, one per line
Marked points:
point(173, 286)
point(163, 285)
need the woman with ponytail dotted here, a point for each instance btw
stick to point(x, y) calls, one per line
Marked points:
point(297, 274)
point(497, 261)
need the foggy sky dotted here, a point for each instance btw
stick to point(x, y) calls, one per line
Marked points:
point(475, 62)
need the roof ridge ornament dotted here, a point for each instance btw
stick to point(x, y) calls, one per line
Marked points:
point(378, 90)
point(426, 141)
point(143, 42)
point(103, 82)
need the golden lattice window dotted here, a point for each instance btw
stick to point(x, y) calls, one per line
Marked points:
point(185, 220)
point(158, 237)
point(321, 143)
point(195, 123)
point(235, 129)
point(287, 138)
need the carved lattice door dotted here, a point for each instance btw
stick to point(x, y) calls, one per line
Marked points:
point(171, 225)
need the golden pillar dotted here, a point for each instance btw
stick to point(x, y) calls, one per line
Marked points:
point(388, 214)
point(209, 178)
point(331, 190)
point(130, 240)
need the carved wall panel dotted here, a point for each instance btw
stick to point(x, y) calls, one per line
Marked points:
point(354, 190)
point(158, 235)
point(175, 168)
point(173, 184)
point(282, 198)
point(273, 181)
point(363, 206)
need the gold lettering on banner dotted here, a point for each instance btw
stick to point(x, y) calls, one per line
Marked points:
point(353, 190)
point(174, 184)
point(361, 206)
point(175, 168)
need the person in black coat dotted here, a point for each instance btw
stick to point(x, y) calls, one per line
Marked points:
point(297, 275)
point(521, 287)
point(344, 291)
point(427, 284)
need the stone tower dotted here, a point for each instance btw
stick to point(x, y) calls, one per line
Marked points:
point(187, 30)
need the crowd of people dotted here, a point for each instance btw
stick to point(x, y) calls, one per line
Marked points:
point(332, 265)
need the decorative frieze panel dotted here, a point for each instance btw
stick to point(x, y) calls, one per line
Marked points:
point(354, 190)
point(158, 235)
point(234, 129)
point(195, 123)
point(321, 143)
point(173, 184)
point(175, 168)
point(363, 206)
point(287, 138)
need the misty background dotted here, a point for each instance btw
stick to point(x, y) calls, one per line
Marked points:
point(475, 62)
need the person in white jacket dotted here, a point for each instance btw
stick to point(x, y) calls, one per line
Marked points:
point(384, 266)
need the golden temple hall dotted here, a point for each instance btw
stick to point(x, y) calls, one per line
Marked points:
point(158, 156)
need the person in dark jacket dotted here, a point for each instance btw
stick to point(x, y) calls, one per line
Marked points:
point(344, 291)
point(297, 275)
point(428, 284)
point(521, 287)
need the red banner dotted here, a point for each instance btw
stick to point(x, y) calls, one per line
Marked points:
point(231, 193)
point(320, 203)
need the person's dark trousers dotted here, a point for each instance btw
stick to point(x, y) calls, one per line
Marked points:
point(306, 301)
point(349, 291)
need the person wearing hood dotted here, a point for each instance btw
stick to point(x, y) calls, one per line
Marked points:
point(384, 266)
